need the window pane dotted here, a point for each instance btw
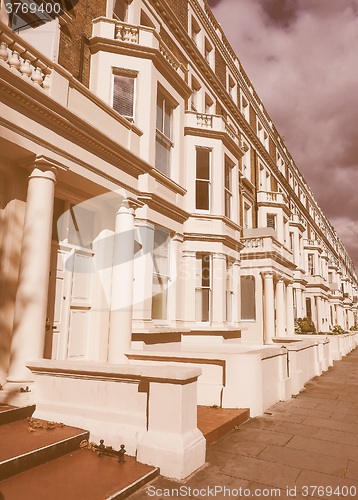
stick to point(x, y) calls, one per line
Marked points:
point(160, 298)
point(162, 156)
point(160, 252)
point(202, 195)
point(227, 176)
point(227, 204)
point(203, 164)
point(247, 297)
point(120, 9)
point(58, 226)
point(202, 305)
point(168, 120)
point(160, 104)
point(123, 95)
point(81, 227)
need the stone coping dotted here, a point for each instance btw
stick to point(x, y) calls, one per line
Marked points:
point(167, 373)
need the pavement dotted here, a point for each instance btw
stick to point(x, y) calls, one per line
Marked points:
point(306, 447)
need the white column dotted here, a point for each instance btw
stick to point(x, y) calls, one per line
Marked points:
point(290, 322)
point(299, 303)
point(31, 296)
point(176, 291)
point(189, 277)
point(120, 328)
point(319, 313)
point(219, 290)
point(269, 308)
point(280, 308)
point(237, 291)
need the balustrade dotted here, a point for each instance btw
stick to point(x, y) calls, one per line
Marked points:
point(19, 59)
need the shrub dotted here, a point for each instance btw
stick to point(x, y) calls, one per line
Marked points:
point(306, 325)
point(354, 328)
point(337, 330)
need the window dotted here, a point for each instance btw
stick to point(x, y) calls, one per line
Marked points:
point(145, 20)
point(120, 10)
point(308, 308)
point(245, 108)
point(271, 220)
point(123, 94)
point(229, 290)
point(202, 184)
point(208, 51)
point(72, 224)
point(160, 275)
point(231, 87)
point(310, 264)
point(208, 104)
point(195, 30)
point(164, 142)
point(228, 187)
point(203, 288)
point(195, 87)
point(248, 310)
point(291, 242)
point(246, 161)
point(247, 215)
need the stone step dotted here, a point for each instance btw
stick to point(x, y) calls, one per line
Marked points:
point(22, 449)
point(214, 422)
point(12, 413)
point(80, 475)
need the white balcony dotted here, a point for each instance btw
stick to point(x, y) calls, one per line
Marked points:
point(213, 123)
point(271, 198)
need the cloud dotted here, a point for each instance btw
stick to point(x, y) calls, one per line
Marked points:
point(301, 57)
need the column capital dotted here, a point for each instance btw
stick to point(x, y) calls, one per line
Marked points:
point(178, 237)
point(267, 274)
point(144, 223)
point(219, 255)
point(188, 253)
point(43, 166)
point(129, 206)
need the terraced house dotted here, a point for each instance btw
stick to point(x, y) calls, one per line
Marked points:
point(157, 240)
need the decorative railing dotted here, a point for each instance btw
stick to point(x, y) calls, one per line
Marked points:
point(271, 197)
point(204, 120)
point(15, 55)
point(127, 33)
point(230, 130)
point(253, 242)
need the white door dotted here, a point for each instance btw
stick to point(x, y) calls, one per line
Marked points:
point(69, 303)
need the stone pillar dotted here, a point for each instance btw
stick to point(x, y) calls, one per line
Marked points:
point(299, 303)
point(290, 321)
point(32, 291)
point(269, 308)
point(319, 313)
point(219, 290)
point(120, 327)
point(176, 291)
point(237, 291)
point(280, 308)
point(189, 278)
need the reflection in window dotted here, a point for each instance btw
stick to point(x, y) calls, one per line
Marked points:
point(248, 298)
point(203, 287)
point(160, 274)
point(202, 188)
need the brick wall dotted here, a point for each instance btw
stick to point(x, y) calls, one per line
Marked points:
point(272, 149)
point(220, 67)
point(74, 53)
point(170, 43)
point(180, 9)
point(252, 118)
point(274, 186)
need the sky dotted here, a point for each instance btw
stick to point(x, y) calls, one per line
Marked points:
point(302, 58)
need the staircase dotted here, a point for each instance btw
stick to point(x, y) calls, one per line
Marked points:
point(39, 459)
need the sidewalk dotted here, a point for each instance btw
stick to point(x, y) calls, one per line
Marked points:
point(311, 440)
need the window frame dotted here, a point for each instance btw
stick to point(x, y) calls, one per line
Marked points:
point(160, 135)
point(167, 277)
point(209, 288)
point(208, 181)
point(126, 73)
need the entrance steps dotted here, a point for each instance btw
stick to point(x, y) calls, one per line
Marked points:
point(47, 462)
point(214, 422)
